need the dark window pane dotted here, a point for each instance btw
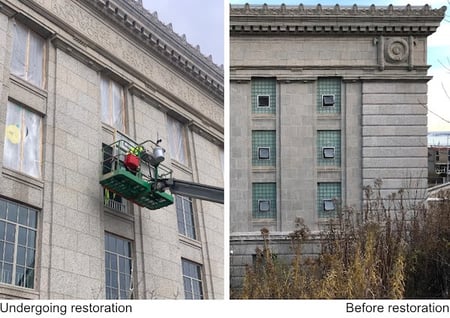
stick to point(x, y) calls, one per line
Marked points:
point(113, 262)
point(12, 212)
point(7, 273)
point(31, 238)
point(121, 264)
point(21, 251)
point(30, 257)
point(114, 279)
point(2, 230)
point(107, 261)
point(9, 252)
point(23, 215)
point(2, 209)
point(29, 278)
point(10, 232)
point(120, 247)
point(32, 218)
point(123, 281)
point(127, 251)
point(22, 237)
point(20, 276)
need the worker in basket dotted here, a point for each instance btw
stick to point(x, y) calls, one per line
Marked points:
point(132, 159)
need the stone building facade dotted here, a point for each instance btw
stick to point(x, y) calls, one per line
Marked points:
point(76, 77)
point(323, 101)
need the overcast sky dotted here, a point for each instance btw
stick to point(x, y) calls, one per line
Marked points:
point(202, 21)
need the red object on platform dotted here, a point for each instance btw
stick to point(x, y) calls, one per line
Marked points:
point(132, 162)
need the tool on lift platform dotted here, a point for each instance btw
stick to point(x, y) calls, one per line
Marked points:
point(135, 172)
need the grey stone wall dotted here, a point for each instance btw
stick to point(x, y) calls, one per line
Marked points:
point(72, 218)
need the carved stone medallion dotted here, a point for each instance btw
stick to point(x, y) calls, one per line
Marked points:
point(396, 50)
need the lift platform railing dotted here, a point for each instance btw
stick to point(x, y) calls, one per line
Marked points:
point(132, 171)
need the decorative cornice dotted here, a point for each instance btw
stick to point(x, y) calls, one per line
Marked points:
point(331, 19)
point(161, 39)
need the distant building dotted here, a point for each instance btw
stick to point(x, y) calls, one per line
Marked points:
point(323, 101)
point(438, 164)
point(77, 76)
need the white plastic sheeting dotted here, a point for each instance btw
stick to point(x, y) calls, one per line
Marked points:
point(177, 142)
point(23, 142)
point(27, 59)
point(113, 109)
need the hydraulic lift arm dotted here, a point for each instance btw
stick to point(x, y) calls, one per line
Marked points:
point(194, 190)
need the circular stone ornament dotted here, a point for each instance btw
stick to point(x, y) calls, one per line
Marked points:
point(396, 50)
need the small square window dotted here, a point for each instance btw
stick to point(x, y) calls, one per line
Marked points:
point(327, 100)
point(328, 152)
point(264, 205)
point(328, 205)
point(263, 100)
point(264, 153)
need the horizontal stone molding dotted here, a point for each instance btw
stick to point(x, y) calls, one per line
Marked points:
point(290, 19)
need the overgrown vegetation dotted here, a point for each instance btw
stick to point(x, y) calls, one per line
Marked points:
point(389, 250)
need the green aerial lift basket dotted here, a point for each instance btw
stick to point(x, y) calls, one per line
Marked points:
point(154, 199)
point(134, 185)
point(125, 184)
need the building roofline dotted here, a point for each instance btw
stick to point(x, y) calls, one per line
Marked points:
point(161, 38)
point(263, 19)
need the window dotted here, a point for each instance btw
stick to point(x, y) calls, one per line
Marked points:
point(328, 198)
point(177, 140)
point(113, 105)
point(264, 200)
point(23, 133)
point(329, 95)
point(328, 152)
point(329, 148)
point(185, 216)
point(263, 147)
point(118, 267)
point(263, 93)
point(18, 225)
point(264, 153)
point(264, 205)
point(192, 279)
point(437, 155)
point(327, 100)
point(328, 205)
point(263, 101)
point(27, 61)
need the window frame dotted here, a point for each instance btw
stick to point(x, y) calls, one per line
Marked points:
point(191, 279)
point(260, 157)
point(260, 201)
point(30, 33)
point(109, 103)
point(109, 271)
point(329, 205)
point(27, 247)
point(177, 140)
point(24, 112)
point(324, 153)
point(185, 229)
point(258, 104)
point(325, 104)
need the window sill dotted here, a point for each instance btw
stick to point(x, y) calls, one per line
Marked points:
point(181, 166)
point(15, 292)
point(20, 177)
point(190, 242)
